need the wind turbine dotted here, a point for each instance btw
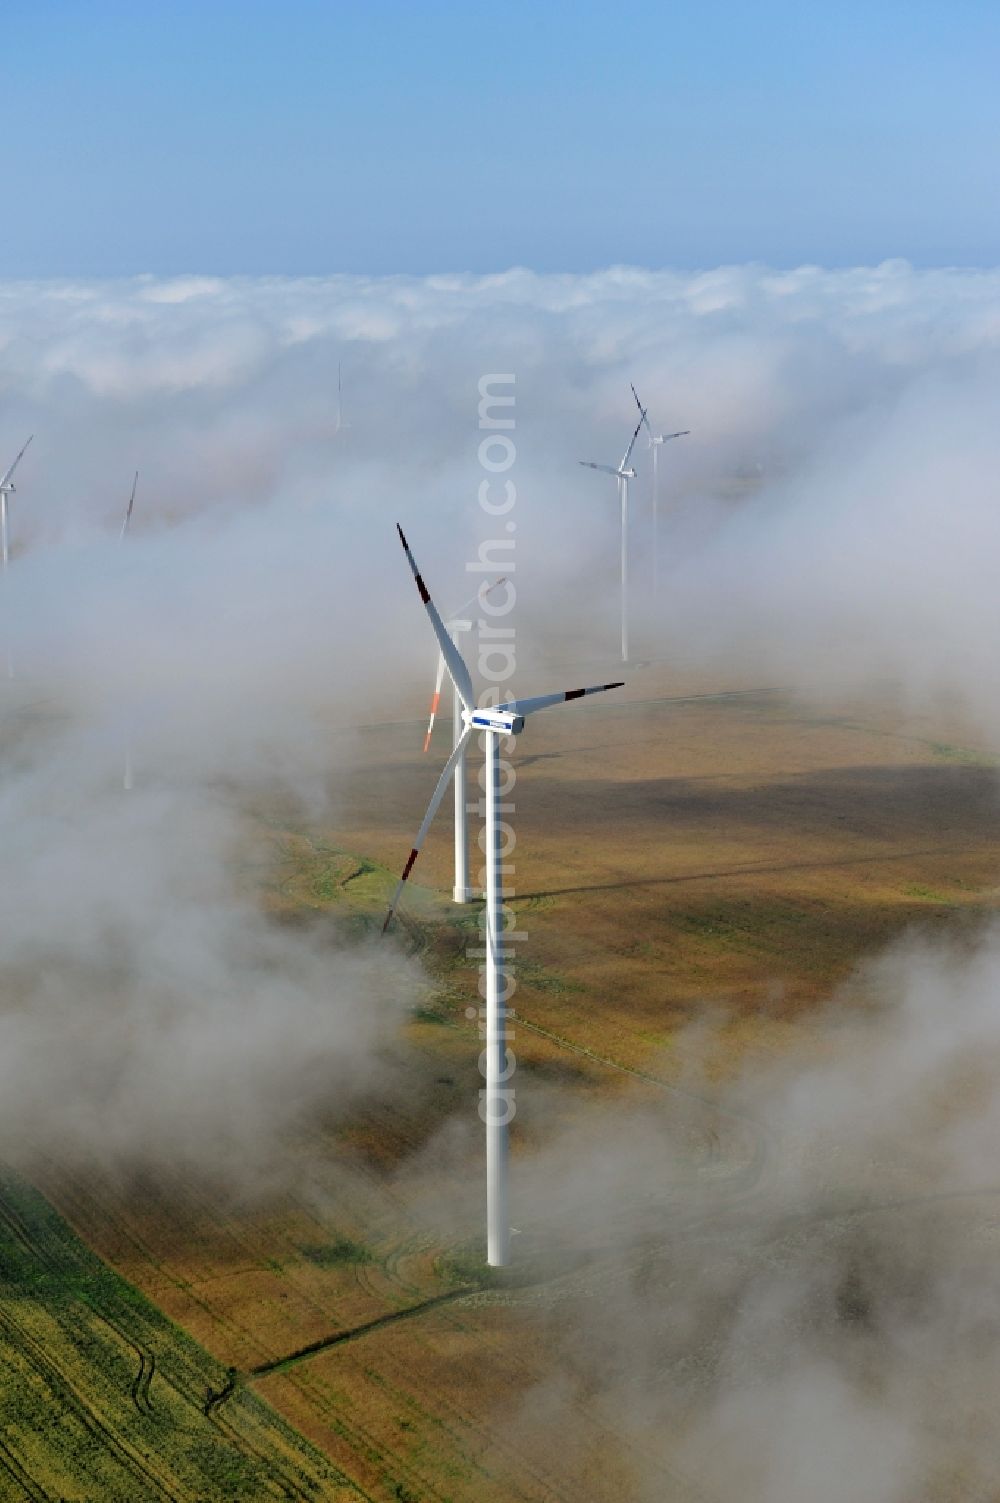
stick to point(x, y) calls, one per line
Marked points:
point(623, 474)
point(127, 775)
point(496, 724)
point(7, 488)
point(340, 401)
point(462, 892)
point(656, 442)
point(128, 510)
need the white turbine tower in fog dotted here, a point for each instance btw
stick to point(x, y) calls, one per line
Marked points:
point(340, 401)
point(127, 775)
point(623, 475)
point(7, 489)
point(495, 724)
point(461, 891)
point(656, 442)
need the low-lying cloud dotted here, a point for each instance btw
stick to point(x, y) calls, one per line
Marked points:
point(830, 521)
point(153, 1015)
point(817, 1318)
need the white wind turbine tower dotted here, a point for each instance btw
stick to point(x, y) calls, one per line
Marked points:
point(495, 724)
point(656, 442)
point(127, 775)
point(623, 474)
point(461, 892)
point(340, 402)
point(7, 488)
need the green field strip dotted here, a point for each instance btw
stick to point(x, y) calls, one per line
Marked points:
point(102, 1397)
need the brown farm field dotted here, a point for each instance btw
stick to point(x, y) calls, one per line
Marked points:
point(698, 868)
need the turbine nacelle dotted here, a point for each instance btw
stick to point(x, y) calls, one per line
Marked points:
point(501, 722)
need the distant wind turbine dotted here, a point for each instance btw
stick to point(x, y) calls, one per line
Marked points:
point(656, 442)
point(340, 402)
point(7, 488)
point(127, 775)
point(461, 892)
point(496, 724)
point(623, 474)
point(128, 510)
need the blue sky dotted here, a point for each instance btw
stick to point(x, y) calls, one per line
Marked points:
point(310, 137)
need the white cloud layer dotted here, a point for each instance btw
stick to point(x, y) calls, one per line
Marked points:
point(831, 519)
point(832, 522)
point(831, 515)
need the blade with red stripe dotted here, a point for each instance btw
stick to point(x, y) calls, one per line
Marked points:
point(432, 809)
point(542, 701)
point(476, 599)
point(459, 673)
point(435, 701)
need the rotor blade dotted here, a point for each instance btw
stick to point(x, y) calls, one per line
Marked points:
point(435, 701)
point(628, 451)
point(606, 469)
point(17, 461)
point(681, 433)
point(456, 663)
point(480, 594)
point(432, 809)
point(456, 615)
point(643, 419)
point(542, 701)
point(131, 503)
